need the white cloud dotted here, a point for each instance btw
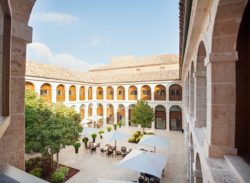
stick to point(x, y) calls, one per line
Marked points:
point(41, 53)
point(54, 17)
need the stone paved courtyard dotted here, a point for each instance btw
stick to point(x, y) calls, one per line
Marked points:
point(95, 166)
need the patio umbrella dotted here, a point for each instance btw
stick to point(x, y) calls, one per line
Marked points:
point(155, 141)
point(114, 136)
point(88, 131)
point(112, 181)
point(144, 162)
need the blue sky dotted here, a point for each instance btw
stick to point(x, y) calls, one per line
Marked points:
point(88, 33)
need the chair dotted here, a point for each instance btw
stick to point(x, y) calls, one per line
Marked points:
point(102, 151)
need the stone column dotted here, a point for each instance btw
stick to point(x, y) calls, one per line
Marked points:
point(104, 92)
point(67, 94)
point(94, 92)
point(77, 93)
point(13, 140)
point(115, 92)
point(54, 92)
point(139, 92)
point(152, 93)
point(115, 114)
point(221, 102)
point(167, 118)
point(126, 116)
point(126, 93)
point(86, 93)
point(153, 122)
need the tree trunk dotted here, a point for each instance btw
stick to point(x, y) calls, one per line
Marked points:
point(57, 160)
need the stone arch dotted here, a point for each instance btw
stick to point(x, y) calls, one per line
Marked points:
point(120, 93)
point(222, 90)
point(160, 92)
point(46, 92)
point(198, 170)
point(99, 93)
point(175, 92)
point(72, 93)
point(121, 114)
point(175, 118)
point(110, 93)
point(82, 111)
point(29, 86)
point(82, 93)
point(242, 122)
point(146, 92)
point(90, 93)
point(132, 93)
point(200, 108)
point(110, 114)
point(60, 93)
point(160, 117)
point(130, 113)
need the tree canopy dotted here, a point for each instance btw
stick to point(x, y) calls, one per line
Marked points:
point(49, 127)
point(142, 114)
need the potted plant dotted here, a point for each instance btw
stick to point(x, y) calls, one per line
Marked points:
point(100, 133)
point(115, 126)
point(85, 141)
point(119, 123)
point(109, 128)
point(77, 146)
point(93, 135)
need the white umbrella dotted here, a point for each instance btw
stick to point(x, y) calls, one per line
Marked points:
point(155, 141)
point(144, 162)
point(88, 131)
point(112, 181)
point(114, 136)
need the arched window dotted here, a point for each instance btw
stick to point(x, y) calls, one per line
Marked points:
point(110, 93)
point(160, 92)
point(46, 92)
point(72, 93)
point(160, 117)
point(29, 86)
point(60, 93)
point(90, 92)
point(175, 92)
point(99, 93)
point(110, 114)
point(120, 93)
point(175, 118)
point(82, 111)
point(146, 92)
point(82, 93)
point(132, 93)
point(121, 114)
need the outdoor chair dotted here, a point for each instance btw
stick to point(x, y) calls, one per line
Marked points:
point(123, 149)
point(109, 152)
point(102, 151)
point(93, 149)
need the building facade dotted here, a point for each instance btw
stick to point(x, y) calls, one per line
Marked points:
point(214, 60)
point(111, 97)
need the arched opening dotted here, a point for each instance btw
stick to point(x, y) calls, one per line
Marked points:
point(175, 92)
point(130, 113)
point(99, 110)
point(29, 86)
point(110, 114)
point(46, 92)
point(90, 110)
point(82, 93)
point(201, 88)
point(242, 126)
point(82, 111)
point(90, 92)
point(110, 93)
point(160, 117)
point(120, 93)
point(175, 118)
point(146, 92)
point(121, 114)
point(132, 93)
point(99, 93)
point(72, 93)
point(191, 91)
point(60, 93)
point(160, 92)
point(198, 171)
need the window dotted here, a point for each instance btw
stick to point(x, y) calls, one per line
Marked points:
point(146, 92)
point(134, 92)
point(175, 92)
point(120, 92)
point(110, 92)
point(99, 92)
point(44, 92)
point(59, 92)
point(71, 93)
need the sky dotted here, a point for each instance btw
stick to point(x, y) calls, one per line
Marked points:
point(81, 34)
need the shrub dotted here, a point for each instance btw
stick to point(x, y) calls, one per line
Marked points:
point(85, 141)
point(150, 133)
point(36, 172)
point(137, 134)
point(115, 126)
point(93, 135)
point(109, 128)
point(101, 132)
point(76, 146)
point(132, 140)
point(119, 123)
point(28, 165)
point(57, 177)
point(64, 170)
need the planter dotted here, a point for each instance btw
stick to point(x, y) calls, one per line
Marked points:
point(76, 150)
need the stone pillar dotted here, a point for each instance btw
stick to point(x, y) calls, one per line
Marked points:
point(67, 93)
point(152, 93)
point(54, 92)
point(126, 116)
point(167, 91)
point(104, 93)
point(13, 140)
point(86, 93)
point(115, 92)
point(221, 101)
point(115, 114)
point(139, 92)
point(105, 115)
point(126, 93)
point(77, 93)
point(167, 118)
point(191, 95)
point(94, 92)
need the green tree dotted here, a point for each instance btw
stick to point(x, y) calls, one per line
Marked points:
point(49, 127)
point(142, 114)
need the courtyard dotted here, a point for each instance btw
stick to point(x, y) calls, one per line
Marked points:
point(95, 166)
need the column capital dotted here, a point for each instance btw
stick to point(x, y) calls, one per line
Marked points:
point(222, 57)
